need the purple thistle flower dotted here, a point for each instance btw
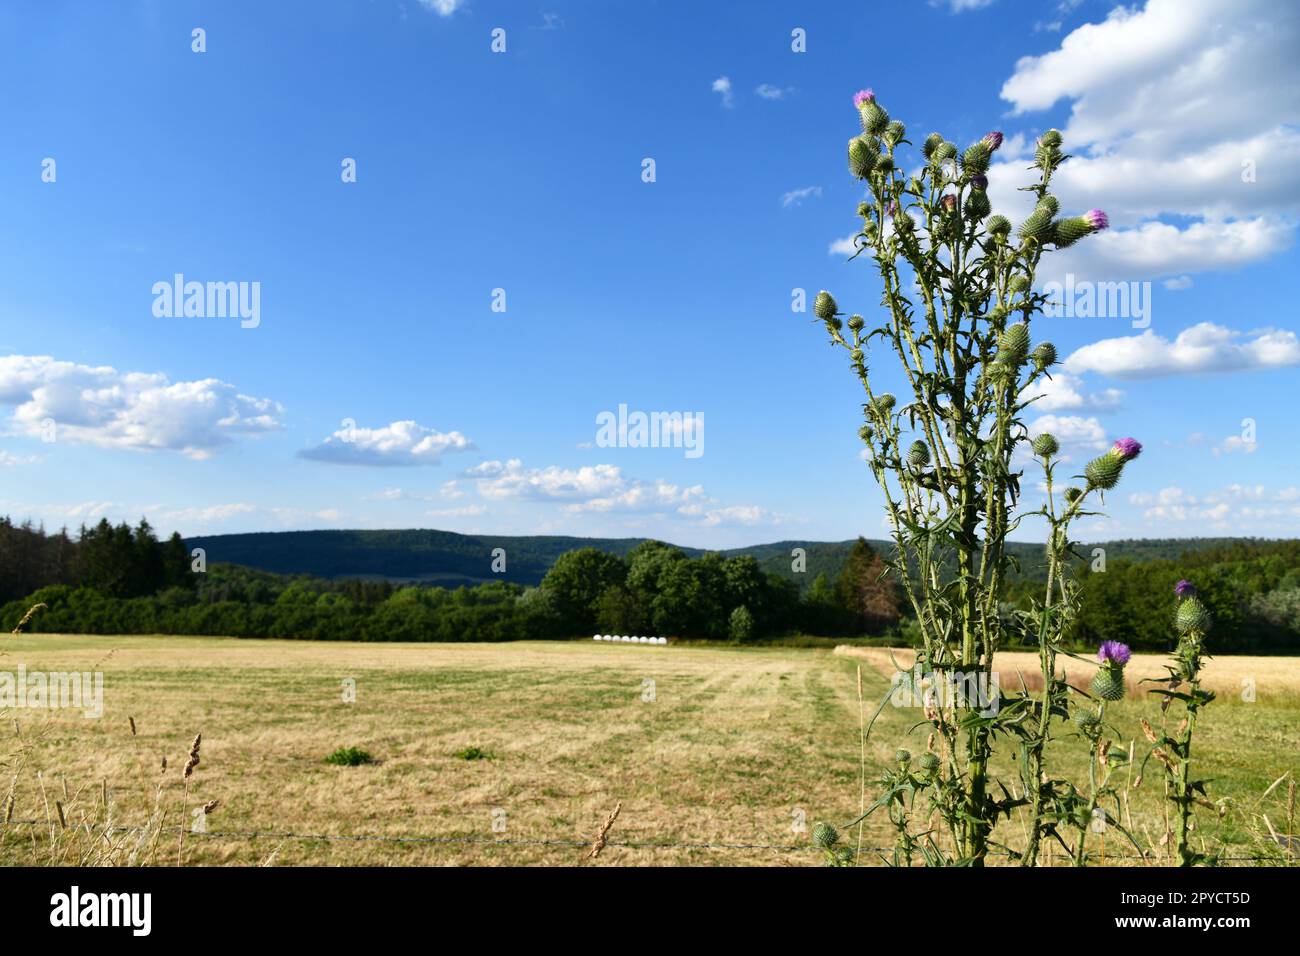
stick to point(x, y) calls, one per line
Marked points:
point(1126, 449)
point(1097, 219)
point(863, 96)
point(993, 140)
point(1184, 588)
point(980, 181)
point(1114, 653)
point(892, 208)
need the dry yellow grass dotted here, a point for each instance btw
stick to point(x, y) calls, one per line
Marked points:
point(1227, 676)
point(737, 745)
point(733, 746)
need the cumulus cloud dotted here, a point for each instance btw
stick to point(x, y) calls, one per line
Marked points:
point(1222, 509)
point(1181, 108)
point(444, 8)
point(722, 86)
point(767, 91)
point(603, 489)
point(1205, 347)
point(402, 443)
point(1083, 433)
point(98, 405)
point(844, 247)
point(1066, 392)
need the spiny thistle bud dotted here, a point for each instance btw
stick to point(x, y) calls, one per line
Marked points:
point(1038, 225)
point(976, 158)
point(1044, 356)
point(894, 132)
point(1108, 683)
point(856, 356)
point(999, 226)
point(856, 322)
point(932, 142)
point(978, 205)
point(825, 836)
point(883, 404)
point(943, 152)
point(864, 209)
point(918, 454)
point(1018, 283)
point(903, 222)
point(929, 763)
point(1046, 445)
point(874, 117)
point(862, 157)
point(1069, 231)
point(1126, 449)
point(1192, 616)
point(1072, 495)
point(992, 140)
point(824, 306)
point(1103, 472)
point(903, 756)
point(1051, 138)
point(884, 166)
point(1087, 721)
point(866, 433)
point(1013, 345)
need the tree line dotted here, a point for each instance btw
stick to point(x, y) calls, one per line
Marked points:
point(121, 580)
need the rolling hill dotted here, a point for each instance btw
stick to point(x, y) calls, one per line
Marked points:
point(448, 559)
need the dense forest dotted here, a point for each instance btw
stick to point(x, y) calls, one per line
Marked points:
point(446, 558)
point(122, 580)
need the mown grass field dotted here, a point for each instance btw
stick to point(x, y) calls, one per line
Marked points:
point(736, 747)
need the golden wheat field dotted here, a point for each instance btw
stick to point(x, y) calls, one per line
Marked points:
point(718, 756)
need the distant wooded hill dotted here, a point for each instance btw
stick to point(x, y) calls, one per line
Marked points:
point(448, 559)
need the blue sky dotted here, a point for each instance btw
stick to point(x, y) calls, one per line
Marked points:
point(381, 389)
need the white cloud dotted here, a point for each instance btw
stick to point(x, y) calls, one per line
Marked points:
point(1225, 509)
point(1156, 249)
point(1177, 108)
point(604, 489)
point(1233, 444)
point(11, 461)
point(769, 92)
point(1205, 347)
point(722, 85)
point(844, 247)
point(1072, 431)
point(795, 197)
point(98, 405)
point(961, 6)
point(401, 443)
point(466, 511)
point(1178, 283)
point(1065, 392)
point(444, 8)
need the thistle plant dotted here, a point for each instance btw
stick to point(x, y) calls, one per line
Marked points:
point(1086, 810)
point(1192, 621)
point(958, 305)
